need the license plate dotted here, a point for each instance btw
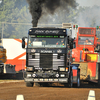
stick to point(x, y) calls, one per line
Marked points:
point(28, 79)
point(63, 79)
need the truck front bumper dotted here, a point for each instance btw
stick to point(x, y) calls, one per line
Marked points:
point(59, 80)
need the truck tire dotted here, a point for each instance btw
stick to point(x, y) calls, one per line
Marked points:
point(98, 74)
point(78, 81)
point(78, 78)
point(71, 80)
point(29, 84)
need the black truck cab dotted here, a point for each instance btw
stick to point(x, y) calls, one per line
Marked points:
point(47, 58)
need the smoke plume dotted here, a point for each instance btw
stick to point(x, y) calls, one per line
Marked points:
point(36, 7)
point(89, 17)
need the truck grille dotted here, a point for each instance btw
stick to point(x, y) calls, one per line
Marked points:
point(46, 60)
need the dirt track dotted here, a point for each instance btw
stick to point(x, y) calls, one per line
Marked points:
point(9, 91)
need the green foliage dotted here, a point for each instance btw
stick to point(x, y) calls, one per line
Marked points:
point(14, 11)
point(15, 17)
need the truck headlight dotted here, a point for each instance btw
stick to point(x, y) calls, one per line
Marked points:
point(29, 68)
point(61, 69)
point(62, 75)
point(73, 59)
point(34, 75)
point(28, 75)
point(57, 75)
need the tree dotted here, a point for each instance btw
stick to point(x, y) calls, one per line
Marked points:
point(14, 11)
point(88, 16)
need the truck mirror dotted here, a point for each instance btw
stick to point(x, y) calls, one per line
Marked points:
point(68, 40)
point(23, 42)
point(71, 43)
point(74, 46)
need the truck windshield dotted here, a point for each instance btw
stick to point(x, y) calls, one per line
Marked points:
point(98, 35)
point(86, 40)
point(46, 42)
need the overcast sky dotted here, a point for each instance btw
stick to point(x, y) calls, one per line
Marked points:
point(88, 2)
point(85, 2)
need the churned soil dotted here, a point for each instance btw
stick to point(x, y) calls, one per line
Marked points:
point(10, 89)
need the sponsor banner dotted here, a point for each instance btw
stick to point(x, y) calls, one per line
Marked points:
point(15, 54)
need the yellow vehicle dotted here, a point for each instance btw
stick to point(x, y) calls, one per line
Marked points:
point(3, 58)
point(4, 68)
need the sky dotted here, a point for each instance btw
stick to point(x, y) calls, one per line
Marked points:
point(85, 2)
point(87, 16)
point(88, 2)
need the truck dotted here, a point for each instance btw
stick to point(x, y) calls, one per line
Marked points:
point(86, 54)
point(47, 58)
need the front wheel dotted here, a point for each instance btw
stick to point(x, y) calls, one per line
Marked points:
point(29, 84)
point(78, 81)
point(71, 80)
point(78, 78)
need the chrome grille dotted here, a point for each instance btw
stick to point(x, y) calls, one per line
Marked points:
point(46, 60)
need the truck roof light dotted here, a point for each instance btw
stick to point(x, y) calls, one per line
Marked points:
point(97, 27)
point(30, 30)
point(75, 26)
point(64, 30)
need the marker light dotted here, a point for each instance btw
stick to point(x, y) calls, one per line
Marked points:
point(76, 26)
point(66, 68)
point(83, 49)
point(30, 30)
point(97, 27)
point(73, 26)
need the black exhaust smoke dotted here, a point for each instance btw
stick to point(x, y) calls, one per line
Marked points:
point(36, 7)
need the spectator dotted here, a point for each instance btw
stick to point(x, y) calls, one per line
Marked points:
point(87, 42)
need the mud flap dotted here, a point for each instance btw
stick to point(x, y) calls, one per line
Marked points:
point(76, 74)
point(83, 70)
point(98, 73)
point(71, 79)
point(8, 68)
point(1, 68)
